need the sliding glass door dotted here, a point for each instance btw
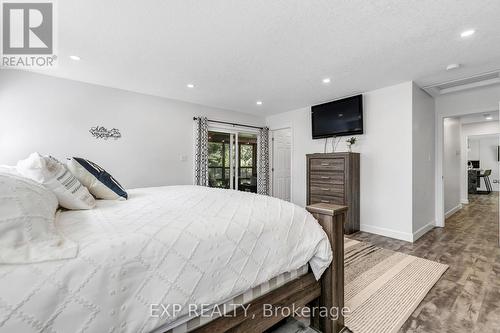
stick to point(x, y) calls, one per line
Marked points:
point(232, 160)
point(247, 162)
point(220, 159)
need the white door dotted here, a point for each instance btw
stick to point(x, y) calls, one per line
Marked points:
point(281, 163)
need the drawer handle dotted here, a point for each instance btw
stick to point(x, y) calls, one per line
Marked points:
point(325, 189)
point(325, 177)
point(325, 201)
point(325, 164)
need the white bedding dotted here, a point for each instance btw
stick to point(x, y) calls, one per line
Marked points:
point(168, 245)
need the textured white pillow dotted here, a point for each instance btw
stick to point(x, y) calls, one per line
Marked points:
point(56, 177)
point(27, 230)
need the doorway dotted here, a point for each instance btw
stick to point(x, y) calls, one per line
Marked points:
point(281, 161)
point(483, 157)
point(232, 160)
point(470, 167)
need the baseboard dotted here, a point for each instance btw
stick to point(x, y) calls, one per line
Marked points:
point(465, 201)
point(422, 231)
point(387, 232)
point(452, 211)
point(405, 236)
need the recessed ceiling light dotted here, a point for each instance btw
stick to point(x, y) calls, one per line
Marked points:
point(452, 67)
point(488, 117)
point(75, 58)
point(467, 33)
point(327, 80)
point(190, 85)
point(258, 102)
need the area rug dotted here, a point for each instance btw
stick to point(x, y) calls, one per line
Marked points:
point(383, 287)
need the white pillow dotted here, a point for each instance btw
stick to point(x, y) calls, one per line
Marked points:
point(27, 229)
point(56, 177)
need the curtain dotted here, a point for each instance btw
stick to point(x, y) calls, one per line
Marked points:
point(201, 152)
point(263, 161)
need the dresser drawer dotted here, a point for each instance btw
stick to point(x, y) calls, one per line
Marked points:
point(327, 189)
point(333, 178)
point(326, 199)
point(326, 164)
point(325, 177)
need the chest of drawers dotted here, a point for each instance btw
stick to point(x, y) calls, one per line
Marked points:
point(334, 179)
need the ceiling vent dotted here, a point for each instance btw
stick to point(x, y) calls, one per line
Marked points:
point(481, 80)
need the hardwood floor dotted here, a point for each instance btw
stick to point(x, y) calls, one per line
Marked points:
point(467, 297)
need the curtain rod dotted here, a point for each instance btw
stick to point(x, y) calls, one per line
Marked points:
point(233, 124)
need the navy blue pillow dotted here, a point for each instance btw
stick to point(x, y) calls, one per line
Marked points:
point(100, 183)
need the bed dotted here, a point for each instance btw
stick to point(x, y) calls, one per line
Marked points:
point(178, 248)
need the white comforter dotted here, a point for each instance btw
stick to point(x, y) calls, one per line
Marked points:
point(168, 245)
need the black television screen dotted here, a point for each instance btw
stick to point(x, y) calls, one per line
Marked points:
point(338, 118)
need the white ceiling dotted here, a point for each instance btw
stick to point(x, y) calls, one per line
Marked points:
point(479, 117)
point(237, 52)
point(481, 137)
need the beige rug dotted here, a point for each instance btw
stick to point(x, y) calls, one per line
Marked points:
point(383, 287)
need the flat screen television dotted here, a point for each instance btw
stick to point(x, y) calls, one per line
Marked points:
point(338, 118)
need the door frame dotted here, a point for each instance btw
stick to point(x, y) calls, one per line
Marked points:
point(271, 158)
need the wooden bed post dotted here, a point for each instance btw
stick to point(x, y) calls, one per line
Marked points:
point(331, 218)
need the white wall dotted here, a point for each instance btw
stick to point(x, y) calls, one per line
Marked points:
point(472, 149)
point(452, 165)
point(386, 158)
point(53, 116)
point(479, 100)
point(468, 101)
point(423, 161)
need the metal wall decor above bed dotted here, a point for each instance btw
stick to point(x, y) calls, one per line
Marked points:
point(100, 132)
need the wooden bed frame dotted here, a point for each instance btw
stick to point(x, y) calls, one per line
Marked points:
point(302, 292)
